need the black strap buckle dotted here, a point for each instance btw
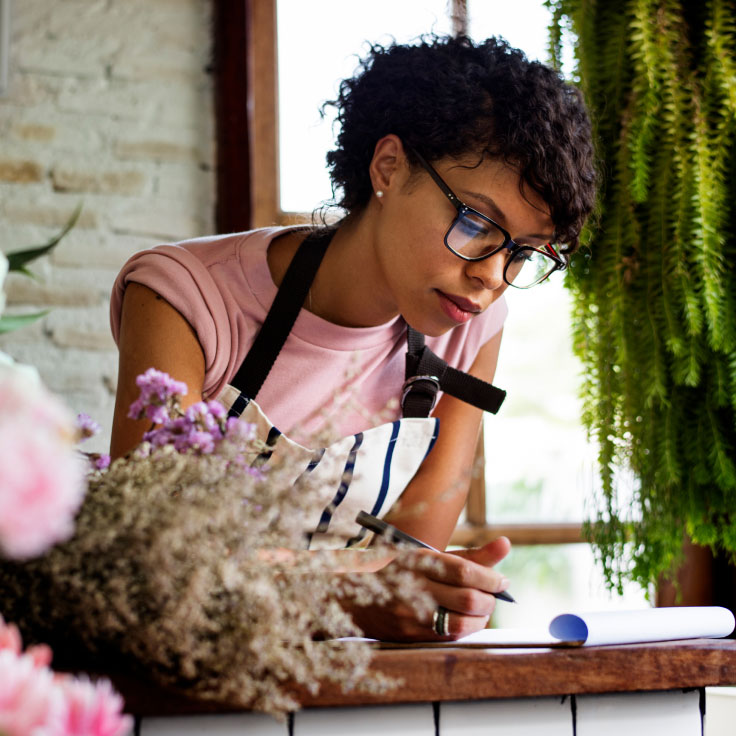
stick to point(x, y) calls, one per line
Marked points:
point(427, 385)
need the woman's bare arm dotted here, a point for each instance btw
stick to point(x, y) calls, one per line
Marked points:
point(152, 334)
point(431, 504)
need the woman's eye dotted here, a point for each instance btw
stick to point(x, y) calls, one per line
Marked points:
point(472, 229)
point(522, 256)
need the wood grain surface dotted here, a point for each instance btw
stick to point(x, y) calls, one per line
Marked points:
point(471, 674)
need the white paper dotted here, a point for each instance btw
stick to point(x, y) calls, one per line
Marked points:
point(650, 624)
point(596, 628)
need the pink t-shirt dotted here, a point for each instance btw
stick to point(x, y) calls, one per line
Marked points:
point(326, 373)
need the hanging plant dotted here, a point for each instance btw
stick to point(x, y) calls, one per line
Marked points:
point(655, 292)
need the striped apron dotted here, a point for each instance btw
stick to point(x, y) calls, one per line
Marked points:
point(366, 471)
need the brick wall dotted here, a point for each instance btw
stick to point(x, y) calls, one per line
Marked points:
point(109, 104)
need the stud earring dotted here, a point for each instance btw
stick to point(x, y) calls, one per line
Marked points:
point(379, 193)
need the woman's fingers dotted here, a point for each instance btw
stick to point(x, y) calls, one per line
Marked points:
point(466, 601)
point(401, 623)
point(460, 572)
point(461, 583)
point(458, 625)
point(489, 554)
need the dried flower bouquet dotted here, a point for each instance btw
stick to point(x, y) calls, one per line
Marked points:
point(167, 570)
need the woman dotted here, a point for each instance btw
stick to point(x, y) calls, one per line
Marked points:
point(457, 165)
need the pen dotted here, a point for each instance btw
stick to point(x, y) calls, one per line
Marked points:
point(392, 534)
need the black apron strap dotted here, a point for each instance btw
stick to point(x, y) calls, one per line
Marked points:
point(281, 316)
point(426, 373)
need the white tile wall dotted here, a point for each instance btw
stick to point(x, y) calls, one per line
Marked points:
point(720, 711)
point(370, 720)
point(529, 717)
point(236, 724)
point(627, 714)
point(633, 714)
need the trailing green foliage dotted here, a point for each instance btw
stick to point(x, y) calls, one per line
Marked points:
point(655, 292)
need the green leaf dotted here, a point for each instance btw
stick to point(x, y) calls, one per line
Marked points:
point(9, 323)
point(19, 258)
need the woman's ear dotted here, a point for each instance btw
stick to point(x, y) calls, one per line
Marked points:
point(388, 164)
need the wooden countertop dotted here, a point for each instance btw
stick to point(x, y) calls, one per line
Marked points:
point(462, 674)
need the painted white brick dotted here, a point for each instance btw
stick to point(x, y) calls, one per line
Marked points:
point(134, 101)
point(104, 249)
point(88, 329)
point(154, 148)
point(30, 131)
point(39, 207)
point(64, 287)
point(93, 178)
point(20, 170)
point(17, 236)
point(100, 86)
point(170, 220)
point(67, 54)
point(183, 183)
point(49, 132)
point(29, 89)
point(34, 334)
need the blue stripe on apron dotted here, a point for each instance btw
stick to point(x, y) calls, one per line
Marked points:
point(384, 483)
point(313, 463)
point(346, 479)
point(238, 406)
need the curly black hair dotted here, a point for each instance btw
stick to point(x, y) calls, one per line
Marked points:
point(448, 96)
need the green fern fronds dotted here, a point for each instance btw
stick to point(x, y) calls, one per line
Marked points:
point(655, 303)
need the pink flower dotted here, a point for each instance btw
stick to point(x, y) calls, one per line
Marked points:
point(10, 637)
point(31, 702)
point(10, 640)
point(93, 709)
point(41, 476)
point(36, 702)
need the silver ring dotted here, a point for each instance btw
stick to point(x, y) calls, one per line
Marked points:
point(441, 621)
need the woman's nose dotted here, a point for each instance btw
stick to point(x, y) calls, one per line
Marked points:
point(488, 272)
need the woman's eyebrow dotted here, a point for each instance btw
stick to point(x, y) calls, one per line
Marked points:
point(493, 208)
point(498, 216)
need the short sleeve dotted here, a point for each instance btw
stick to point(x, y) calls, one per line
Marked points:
point(184, 281)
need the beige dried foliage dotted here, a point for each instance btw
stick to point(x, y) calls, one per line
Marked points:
point(165, 575)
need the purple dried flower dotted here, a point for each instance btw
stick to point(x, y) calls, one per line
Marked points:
point(157, 414)
point(160, 384)
point(159, 395)
point(239, 431)
point(102, 462)
point(86, 426)
point(199, 429)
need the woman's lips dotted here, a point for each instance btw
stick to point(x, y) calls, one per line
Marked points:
point(457, 308)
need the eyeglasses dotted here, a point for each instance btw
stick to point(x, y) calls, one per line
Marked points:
point(474, 237)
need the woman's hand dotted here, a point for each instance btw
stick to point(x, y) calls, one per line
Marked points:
point(463, 583)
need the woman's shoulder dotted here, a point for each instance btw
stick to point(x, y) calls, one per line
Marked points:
point(212, 250)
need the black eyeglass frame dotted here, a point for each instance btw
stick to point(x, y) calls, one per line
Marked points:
point(508, 242)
